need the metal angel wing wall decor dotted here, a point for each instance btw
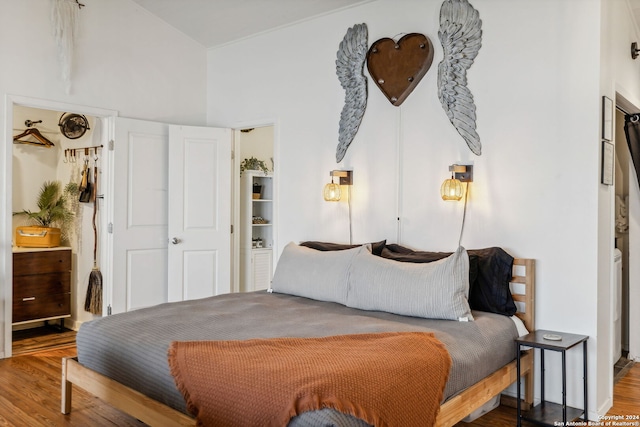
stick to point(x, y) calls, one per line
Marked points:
point(351, 56)
point(461, 37)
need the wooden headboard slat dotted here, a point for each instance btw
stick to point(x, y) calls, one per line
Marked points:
point(528, 297)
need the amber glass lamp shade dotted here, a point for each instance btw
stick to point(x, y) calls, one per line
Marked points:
point(332, 192)
point(451, 189)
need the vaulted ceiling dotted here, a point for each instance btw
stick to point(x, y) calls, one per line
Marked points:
point(216, 22)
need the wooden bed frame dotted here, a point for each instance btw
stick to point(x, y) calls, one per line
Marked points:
point(452, 411)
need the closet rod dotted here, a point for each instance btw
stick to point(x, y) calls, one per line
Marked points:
point(52, 132)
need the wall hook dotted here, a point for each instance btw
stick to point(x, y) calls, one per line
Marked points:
point(28, 123)
point(634, 50)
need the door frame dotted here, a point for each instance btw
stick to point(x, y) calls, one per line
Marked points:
point(6, 200)
point(235, 194)
point(627, 107)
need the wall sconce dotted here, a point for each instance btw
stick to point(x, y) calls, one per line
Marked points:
point(451, 188)
point(332, 192)
point(634, 50)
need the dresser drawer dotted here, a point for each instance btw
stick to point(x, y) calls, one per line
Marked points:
point(26, 263)
point(36, 307)
point(41, 284)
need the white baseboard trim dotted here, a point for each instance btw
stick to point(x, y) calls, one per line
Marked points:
point(602, 410)
point(74, 325)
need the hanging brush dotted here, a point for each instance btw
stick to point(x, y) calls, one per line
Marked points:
point(93, 301)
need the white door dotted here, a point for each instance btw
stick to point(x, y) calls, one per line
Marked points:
point(199, 212)
point(146, 207)
point(140, 220)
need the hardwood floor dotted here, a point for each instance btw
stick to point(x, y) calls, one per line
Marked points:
point(30, 393)
point(29, 341)
point(626, 401)
point(626, 394)
point(30, 385)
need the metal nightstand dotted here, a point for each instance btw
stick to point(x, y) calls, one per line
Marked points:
point(547, 413)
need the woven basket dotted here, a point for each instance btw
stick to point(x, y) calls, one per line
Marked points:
point(33, 236)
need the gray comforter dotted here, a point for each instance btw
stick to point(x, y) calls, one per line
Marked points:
point(131, 348)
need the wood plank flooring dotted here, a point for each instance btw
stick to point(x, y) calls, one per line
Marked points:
point(626, 393)
point(30, 394)
point(29, 341)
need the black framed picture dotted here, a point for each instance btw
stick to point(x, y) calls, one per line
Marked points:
point(607, 119)
point(607, 163)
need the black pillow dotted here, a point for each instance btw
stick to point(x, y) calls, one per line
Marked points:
point(490, 271)
point(376, 247)
point(492, 293)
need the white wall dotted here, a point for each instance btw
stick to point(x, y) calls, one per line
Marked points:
point(619, 77)
point(536, 84)
point(258, 143)
point(126, 60)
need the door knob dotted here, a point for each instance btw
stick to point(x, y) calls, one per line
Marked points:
point(175, 240)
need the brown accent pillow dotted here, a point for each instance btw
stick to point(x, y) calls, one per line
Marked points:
point(376, 247)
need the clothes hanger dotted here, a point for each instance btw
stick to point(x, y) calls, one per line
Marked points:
point(42, 140)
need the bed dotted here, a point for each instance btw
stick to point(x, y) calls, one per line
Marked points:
point(132, 374)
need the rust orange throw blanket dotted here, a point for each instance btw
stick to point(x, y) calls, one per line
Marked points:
point(391, 379)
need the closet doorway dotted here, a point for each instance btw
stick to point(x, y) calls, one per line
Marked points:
point(620, 291)
point(625, 329)
point(254, 208)
point(48, 152)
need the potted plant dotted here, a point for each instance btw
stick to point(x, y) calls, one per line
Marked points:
point(253, 164)
point(53, 215)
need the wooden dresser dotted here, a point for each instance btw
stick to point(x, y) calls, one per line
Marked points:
point(41, 284)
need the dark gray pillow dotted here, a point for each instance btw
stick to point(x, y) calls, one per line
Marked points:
point(376, 247)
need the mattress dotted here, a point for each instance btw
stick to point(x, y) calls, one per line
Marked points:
point(131, 348)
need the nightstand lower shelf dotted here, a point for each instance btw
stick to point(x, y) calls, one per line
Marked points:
point(548, 413)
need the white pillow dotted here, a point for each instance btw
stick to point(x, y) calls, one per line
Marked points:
point(310, 273)
point(435, 290)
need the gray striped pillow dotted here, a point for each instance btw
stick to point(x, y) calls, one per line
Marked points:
point(436, 290)
point(314, 274)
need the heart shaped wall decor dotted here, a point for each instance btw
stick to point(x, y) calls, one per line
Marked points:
point(398, 67)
